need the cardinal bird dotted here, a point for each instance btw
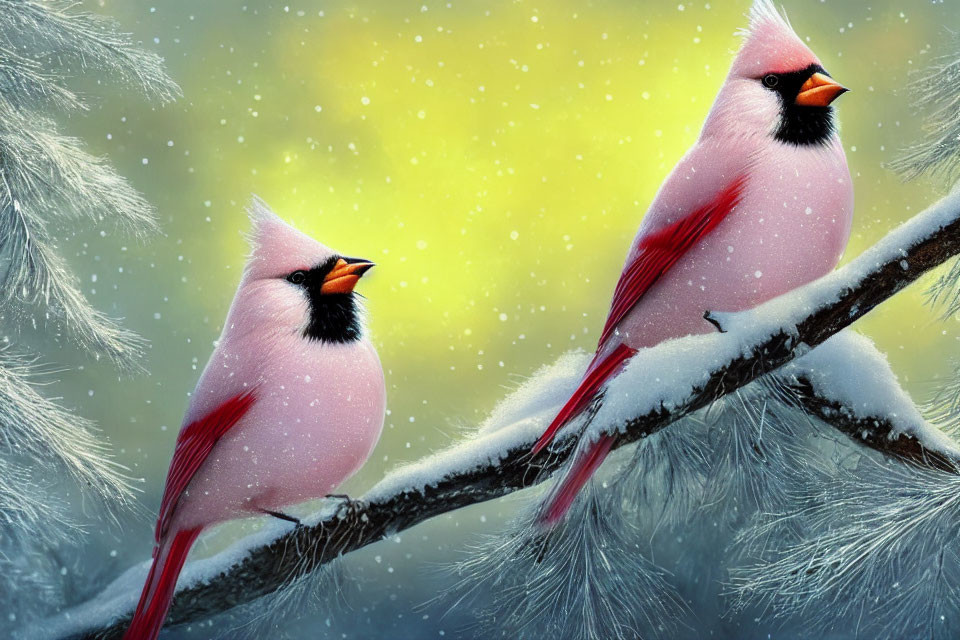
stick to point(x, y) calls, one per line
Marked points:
point(760, 205)
point(289, 406)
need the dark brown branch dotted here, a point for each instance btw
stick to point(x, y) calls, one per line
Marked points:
point(268, 568)
point(879, 433)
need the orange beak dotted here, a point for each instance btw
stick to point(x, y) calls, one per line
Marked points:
point(345, 275)
point(819, 91)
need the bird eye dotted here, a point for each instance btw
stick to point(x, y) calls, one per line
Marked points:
point(297, 277)
point(770, 81)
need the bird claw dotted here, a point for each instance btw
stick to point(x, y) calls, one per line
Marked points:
point(710, 317)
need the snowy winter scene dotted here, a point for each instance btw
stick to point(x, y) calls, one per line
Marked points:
point(605, 320)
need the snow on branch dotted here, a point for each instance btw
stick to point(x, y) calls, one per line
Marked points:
point(660, 386)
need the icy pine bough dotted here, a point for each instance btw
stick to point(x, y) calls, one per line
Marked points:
point(49, 179)
point(51, 185)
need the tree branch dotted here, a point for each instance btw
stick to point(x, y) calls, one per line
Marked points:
point(701, 368)
point(880, 433)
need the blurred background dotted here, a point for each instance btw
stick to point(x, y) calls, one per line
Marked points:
point(493, 157)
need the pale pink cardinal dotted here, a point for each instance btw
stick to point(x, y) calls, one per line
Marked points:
point(760, 205)
point(289, 406)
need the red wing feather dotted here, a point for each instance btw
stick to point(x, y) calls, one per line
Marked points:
point(656, 254)
point(194, 444)
point(660, 250)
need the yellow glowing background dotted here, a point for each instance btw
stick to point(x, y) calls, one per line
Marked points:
point(494, 158)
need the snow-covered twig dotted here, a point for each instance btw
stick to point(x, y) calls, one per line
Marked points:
point(660, 386)
point(817, 383)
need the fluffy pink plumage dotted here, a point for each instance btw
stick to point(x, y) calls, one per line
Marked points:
point(769, 138)
point(281, 413)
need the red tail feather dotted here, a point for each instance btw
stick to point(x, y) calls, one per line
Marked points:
point(566, 492)
point(586, 462)
point(598, 373)
point(168, 559)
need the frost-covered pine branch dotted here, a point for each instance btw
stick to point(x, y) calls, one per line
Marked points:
point(693, 372)
point(875, 544)
point(590, 581)
point(45, 434)
point(65, 41)
point(50, 186)
point(878, 545)
point(938, 101)
point(47, 180)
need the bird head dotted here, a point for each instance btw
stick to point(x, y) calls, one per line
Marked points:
point(291, 280)
point(777, 86)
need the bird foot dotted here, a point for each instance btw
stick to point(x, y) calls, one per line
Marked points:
point(712, 318)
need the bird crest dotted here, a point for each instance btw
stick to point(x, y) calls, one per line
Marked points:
point(277, 247)
point(770, 45)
